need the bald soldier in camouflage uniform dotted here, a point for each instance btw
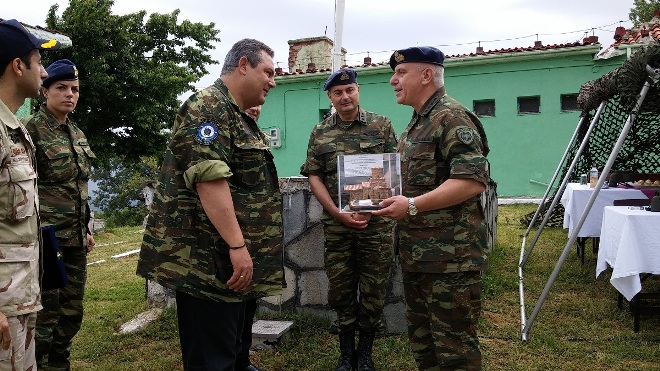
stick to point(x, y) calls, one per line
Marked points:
point(442, 228)
point(358, 247)
point(214, 232)
point(20, 78)
point(64, 164)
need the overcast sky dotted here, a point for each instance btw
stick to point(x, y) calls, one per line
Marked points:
point(377, 27)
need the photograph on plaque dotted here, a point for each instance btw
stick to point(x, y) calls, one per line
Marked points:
point(367, 179)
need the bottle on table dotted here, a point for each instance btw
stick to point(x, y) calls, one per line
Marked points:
point(593, 176)
point(655, 202)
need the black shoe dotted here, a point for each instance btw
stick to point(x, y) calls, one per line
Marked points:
point(365, 363)
point(347, 349)
point(344, 365)
point(364, 349)
point(252, 368)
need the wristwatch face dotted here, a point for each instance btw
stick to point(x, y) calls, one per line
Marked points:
point(412, 210)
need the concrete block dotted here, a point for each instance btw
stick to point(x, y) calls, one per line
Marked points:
point(294, 184)
point(140, 321)
point(313, 288)
point(267, 333)
point(97, 225)
point(394, 318)
point(315, 210)
point(160, 296)
point(288, 293)
point(308, 252)
point(395, 286)
point(294, 215)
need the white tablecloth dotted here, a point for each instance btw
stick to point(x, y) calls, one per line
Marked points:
point(630, 244)
point(575, 198)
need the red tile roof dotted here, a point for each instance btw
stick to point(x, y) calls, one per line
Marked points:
point(645, 33)
point(591, 40)
point(649, 31)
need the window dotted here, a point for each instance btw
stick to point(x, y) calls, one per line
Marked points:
point(529, 105)
point(569, 102)
point(484, 107)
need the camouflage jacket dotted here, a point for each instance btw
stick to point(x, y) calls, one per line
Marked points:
point(181, 249)
point(444, 140)
point(369, 133)
point(64, 163)
point(19, 220)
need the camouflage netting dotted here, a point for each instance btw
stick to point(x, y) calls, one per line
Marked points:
point(640, 153)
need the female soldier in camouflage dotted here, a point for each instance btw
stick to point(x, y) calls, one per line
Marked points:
point(63, 164)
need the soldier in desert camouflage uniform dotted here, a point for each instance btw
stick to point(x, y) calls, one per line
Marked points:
point(358, 247)
point(442, 229)
point(20, 78)
point(214, 232)
point(64, 164)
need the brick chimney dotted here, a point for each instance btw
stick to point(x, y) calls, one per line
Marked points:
point(538, 44)
point(480, 50)
point(318, 49)
point(619, 32)
point(590, 40)
point(367, 60)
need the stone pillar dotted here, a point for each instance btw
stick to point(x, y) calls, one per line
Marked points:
point(306, 281)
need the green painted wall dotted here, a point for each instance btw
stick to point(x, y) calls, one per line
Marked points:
point(25, 109)
point(525, 149)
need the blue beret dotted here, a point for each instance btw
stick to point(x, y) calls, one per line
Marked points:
point(421, 54)
point(343, 76)
point(16, 41)
point(61, 70)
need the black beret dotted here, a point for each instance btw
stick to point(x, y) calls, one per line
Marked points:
point(343, 76)
point(61, 70)
point(16, 41)
point(422, 54)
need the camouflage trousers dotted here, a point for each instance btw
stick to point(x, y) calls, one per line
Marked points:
point(358, 263)
point(20, 355)
point(61, 317)
point(442, 310)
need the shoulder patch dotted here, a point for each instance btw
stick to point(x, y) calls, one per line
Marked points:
point(465, 135)
point(206, 132)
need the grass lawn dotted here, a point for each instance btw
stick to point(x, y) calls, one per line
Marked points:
point(579, 327)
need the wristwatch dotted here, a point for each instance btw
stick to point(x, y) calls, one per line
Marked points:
point(412, 210)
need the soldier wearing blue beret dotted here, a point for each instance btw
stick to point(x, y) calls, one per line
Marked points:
point(358, 248)
point(63, 202)
point(420, 54)
point(442, 229)
point(343, 76)
point(61, 70)
point(20, 78)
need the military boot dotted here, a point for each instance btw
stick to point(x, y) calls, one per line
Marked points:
point(347, 349)
point(365, 346)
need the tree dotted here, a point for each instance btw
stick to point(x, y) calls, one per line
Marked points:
point(131, 73)
point(120, 190)
point(643, 11)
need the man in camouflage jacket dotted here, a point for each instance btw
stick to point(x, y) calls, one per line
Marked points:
point(442, 228)
point(214, 231)
point(358, 247)
point(20, 78)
